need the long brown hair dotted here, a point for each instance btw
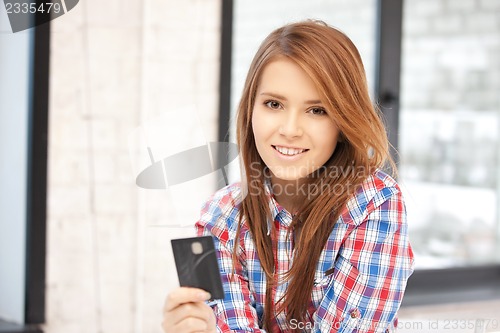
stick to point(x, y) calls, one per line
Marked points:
point(333, 63)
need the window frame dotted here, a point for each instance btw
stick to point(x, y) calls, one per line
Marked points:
point(36, 210)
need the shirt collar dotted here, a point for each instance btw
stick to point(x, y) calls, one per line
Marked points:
point(278, 212)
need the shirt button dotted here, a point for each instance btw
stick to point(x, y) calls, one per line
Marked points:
point(355, 313)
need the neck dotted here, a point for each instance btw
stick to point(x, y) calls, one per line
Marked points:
point(289, 193)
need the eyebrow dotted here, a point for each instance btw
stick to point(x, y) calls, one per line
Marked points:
point(283, 98)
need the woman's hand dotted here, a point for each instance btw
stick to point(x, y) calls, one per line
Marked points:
point(185, 311)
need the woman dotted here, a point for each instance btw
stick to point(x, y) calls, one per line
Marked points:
point(315, 237)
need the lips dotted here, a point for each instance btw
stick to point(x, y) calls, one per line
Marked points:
point(288, 151)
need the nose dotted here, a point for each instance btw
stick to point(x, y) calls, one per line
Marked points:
point(291, 125)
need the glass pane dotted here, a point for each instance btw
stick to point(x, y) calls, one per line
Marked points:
point(449, 126)
point(15, 96)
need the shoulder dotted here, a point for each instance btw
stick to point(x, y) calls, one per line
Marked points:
point(220, 213)
point(226, 198)
point(378, 189)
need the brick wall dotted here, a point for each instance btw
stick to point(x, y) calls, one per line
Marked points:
point(116, 67)
point(450, 84)
point(451, 55)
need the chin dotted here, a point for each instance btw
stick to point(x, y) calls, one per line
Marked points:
point(288, 176)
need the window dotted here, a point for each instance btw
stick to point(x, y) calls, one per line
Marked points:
point(449, 128)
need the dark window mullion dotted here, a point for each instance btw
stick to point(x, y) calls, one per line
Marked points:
point(36, 226)
point(388, 65)
point(225, 70)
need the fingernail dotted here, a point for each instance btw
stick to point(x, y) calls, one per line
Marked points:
point(204, 296)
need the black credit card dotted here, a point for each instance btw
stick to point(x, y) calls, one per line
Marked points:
point(197, 266)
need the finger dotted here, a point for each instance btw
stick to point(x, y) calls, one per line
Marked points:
point(196, 310)
point(185, 295)
point(190, 324)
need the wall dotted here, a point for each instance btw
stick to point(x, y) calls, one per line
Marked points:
point(116, 70)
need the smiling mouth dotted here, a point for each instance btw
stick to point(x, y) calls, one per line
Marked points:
point(289, 151)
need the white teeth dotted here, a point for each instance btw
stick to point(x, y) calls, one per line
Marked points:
point(289, 151)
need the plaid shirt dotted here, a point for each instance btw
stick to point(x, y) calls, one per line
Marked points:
point(368, 250)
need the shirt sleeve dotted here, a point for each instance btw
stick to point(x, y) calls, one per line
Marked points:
point(236, 312)
point(370, 273)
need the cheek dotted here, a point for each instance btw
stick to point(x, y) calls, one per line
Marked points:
point(255, 128)
point(329, 134)
point(330, 140)
point(259, 126)
point(334, 139)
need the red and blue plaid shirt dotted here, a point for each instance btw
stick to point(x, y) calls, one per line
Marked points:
point(368, 250)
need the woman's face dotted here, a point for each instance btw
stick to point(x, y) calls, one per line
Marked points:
point(293, 133)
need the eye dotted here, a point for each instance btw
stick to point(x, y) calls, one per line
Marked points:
point(317, 111)
point(272, 104)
